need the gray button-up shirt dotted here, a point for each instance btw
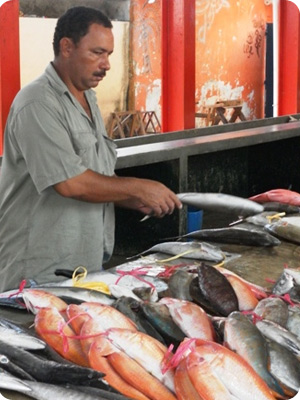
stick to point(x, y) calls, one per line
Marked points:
point(48, 139)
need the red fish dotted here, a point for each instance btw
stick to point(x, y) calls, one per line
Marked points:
point(53, 329)
point(284, 196)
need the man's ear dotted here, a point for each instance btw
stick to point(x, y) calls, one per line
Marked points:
point(66, 46)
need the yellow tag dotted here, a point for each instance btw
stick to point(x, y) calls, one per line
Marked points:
point(275, 216)
point(77, 279)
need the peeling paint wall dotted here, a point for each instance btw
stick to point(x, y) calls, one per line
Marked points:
point(230, 54)
point(145, 56)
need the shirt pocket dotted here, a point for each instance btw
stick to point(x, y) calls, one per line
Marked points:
point(83, 141)
point(85, 146)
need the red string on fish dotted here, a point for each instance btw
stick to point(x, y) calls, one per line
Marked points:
point(255, 317)
point(65, 337)
point(169, 270)
point(136, 273)
point(287, 298)
point(181, 352)
point(19, 291)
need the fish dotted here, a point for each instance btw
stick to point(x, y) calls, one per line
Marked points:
point(99, 351)
point(101, 318)
point(199, 298)
point(146, 294)
point(51, 326)
point(246, 298)
point(293, 322)
point(121, 291)
point(36, 300)
point(13, 368)
point(179, 284)
point(218, 373)
point(294, 294)
point(273, 309)
point(107, 315)
point(244, 338)
point(139, 377)
point(72, 294)
point(132, 309)
point(263, 218)
point(221, 202)
point(159, 317)
point(49, 371)
point(217, 290)
point(284, 366)
point(284, 283)
point(285, 196)
point(184, 388)
point(21, 339)
point(19, 335)
point(191, 318)
point(286, 228)
point(145, 350)
point(281, 207)
point(259, 291)
point(116, 278)
point(190, 250)
point(43, 390)
point(279, 335)
point(243, 234)
point(99, 393)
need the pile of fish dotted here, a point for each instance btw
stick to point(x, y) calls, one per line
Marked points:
point(217, 336)
point(158, 331)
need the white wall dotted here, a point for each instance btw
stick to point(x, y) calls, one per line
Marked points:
point(36, 36)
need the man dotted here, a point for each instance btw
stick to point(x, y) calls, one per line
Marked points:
point(58, 187)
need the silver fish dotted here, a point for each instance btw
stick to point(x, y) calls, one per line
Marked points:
point(244, 338)
point(41, 391)
point(273, 309)
point(179, 284)
point(21, 339)
point(287, 228)
point(70, 294)
point(111, 278)
point(263, 218)
point(293, 322)
point(49, 371)
point(280, 335)
point(281, 207)
point(244, 234)
point(191, 250)
point(284, 365)
point(221, 202)
point(289, 279)
point(283, 284)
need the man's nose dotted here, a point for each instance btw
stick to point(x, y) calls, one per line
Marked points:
point(105, 63)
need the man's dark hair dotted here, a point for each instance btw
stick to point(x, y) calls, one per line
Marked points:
point(75, 23)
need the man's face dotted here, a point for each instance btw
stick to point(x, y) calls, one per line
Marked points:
point(89, 59)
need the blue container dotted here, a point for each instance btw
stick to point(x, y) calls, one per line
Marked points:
point(194, 219)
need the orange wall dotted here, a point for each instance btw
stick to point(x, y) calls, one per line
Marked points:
point(230, 54)
point(145, 56)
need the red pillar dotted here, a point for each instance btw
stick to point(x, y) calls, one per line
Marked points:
point(289, 59)
point(178, 65)
point(9, 59)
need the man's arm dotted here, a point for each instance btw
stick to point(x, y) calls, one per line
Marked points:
point(148, 196)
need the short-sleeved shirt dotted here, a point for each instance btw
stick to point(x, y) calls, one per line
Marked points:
point(48, 139)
